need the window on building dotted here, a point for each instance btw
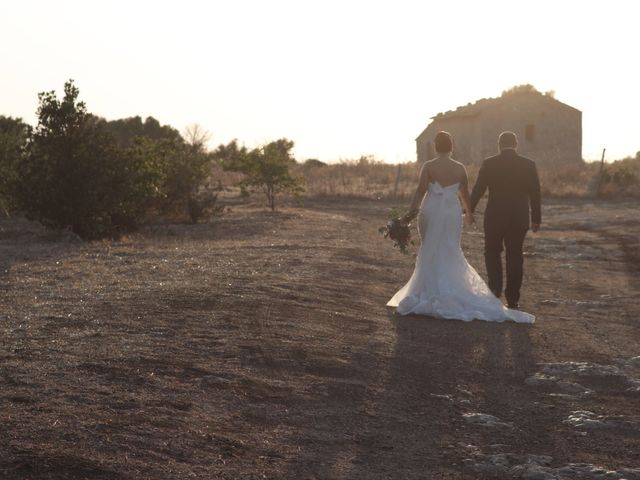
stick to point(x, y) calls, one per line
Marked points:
point(530, 132)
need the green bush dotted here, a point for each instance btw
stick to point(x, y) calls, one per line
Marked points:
point(127, 130)
point(266, 168)
point(75, 176)
point(269, 170)
point(178, 170)
point(202, 202)
point(623, 173)
point(14, 137)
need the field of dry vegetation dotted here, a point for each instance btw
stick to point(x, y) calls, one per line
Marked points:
point(257, 345)
point(369, 178)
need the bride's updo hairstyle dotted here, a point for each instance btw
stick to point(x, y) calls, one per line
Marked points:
point(443, 142)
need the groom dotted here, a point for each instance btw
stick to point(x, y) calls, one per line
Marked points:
point(513, 187)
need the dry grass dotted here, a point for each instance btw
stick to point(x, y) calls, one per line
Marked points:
point(572, 180)
point(380, 180)
point(363, 178)
point(368, 178)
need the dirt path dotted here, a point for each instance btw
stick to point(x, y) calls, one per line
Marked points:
point(259, 346)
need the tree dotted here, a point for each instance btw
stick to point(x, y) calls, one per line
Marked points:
point(126, 130)
point(182, 160)
point(196, 136)
point(233, 158)
point(14, 137)
point(179, 171)
point(268, 169)
point(75, 176)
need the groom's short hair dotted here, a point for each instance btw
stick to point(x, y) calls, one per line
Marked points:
point(444, 142)
point(508, 140)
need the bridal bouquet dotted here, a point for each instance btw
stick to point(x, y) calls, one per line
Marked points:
point(398, 230)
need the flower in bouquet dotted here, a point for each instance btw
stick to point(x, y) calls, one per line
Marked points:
point(399, 232)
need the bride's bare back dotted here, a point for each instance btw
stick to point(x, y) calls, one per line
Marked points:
point(446, 171)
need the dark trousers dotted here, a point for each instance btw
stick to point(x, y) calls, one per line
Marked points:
point(512, 238)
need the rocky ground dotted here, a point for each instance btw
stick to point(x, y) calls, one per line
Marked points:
point(258, 345)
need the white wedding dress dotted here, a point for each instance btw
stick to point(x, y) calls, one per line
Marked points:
point(443, 283)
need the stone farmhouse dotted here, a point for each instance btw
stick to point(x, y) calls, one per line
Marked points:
point(549, 131)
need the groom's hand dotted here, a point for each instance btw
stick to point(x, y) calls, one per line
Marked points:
point(468, 219)
point(535, 227)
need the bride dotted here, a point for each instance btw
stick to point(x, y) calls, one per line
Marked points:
point(443, 283)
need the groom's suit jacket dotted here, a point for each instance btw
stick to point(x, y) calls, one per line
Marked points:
point(513, 186)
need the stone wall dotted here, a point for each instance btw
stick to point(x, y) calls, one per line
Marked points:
point(466, 138)
point(548, 131)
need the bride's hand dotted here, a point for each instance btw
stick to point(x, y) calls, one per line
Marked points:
point(468, 219)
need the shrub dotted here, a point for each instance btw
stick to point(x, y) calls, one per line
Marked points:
point(622, 174)
point(269, 170)
point(75, 176)
point(14, 137)
point(266, 168)
point(201, 203)
point(127, 130)
point(622, 177)
point(177, 170)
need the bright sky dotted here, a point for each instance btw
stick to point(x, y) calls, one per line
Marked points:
point(340, 78)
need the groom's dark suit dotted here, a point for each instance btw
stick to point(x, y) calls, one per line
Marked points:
point(513, 186)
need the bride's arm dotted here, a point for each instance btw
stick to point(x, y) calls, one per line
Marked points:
point(419, 194)
point(463, 192)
